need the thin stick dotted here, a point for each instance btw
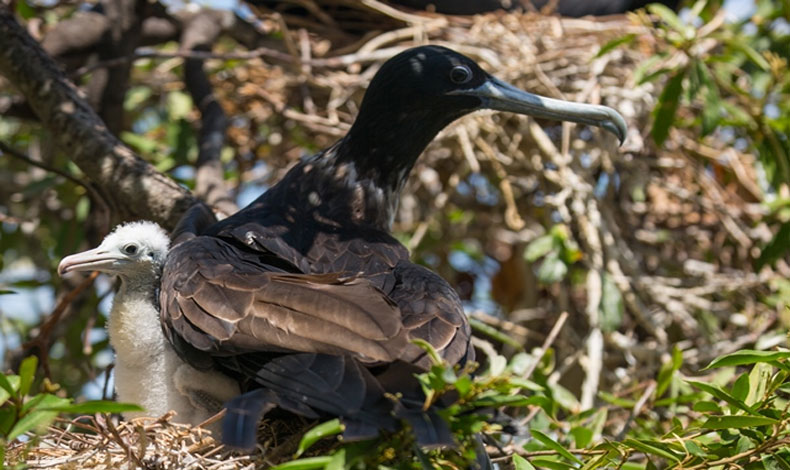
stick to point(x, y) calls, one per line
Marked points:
point(637, 409)
point(547, 343)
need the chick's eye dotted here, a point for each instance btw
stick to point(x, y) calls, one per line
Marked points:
point(130, 249)
point(460, 74)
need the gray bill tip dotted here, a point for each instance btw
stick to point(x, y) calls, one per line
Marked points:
point(616, 125)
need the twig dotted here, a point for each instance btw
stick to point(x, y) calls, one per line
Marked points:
point(257, 53)
point(637, 409)
point(42, 341)
point(21, 156)
point(555, 330)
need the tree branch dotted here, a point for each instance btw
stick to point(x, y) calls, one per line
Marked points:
point(200, 33)
point(130, 185)
point(107, 87)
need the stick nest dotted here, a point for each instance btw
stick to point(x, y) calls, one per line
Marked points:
point(671, 230)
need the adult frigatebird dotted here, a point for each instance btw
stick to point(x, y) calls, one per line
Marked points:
point(304, 296)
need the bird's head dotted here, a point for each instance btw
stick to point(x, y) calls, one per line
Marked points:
point(131, 250)
point(437, 84)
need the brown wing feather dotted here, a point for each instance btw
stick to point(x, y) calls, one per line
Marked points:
point(432, 311)
point(219, 299)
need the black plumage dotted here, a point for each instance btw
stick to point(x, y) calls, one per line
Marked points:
point(305, 297)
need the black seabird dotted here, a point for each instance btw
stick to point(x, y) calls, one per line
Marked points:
point(304, 296)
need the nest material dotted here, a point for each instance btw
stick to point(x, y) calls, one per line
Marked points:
point(650, 236)
point(151, 443)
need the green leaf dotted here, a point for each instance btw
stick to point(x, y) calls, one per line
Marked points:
point(652, 447)
point(641, 75)
point(7, 420)
point(668, 370)
point(96, 406)
point(752, 55)
point(5, 384)
point(706, 406)
point(46, 402)
point(520, 463)
point(24, 10)
point(552, 269)
point(503, 400)
point(135, 97)
point(551, 464)
point(667, 107)
point(329, 428)
point(34, 420)
point(539, 247)
point(711, 109)
point(737, 422)
point(428, 347)
point(740, 389)
point(669, 17)
point(582, 436)
point(179, 105)
point(493, 333)
point(139, 142)
point(27, 372)
point(464, 385)
point(615, 400)
point(743, 444)
point(747, 356)
point(776, 248)
point(308, 463)
point(554, 445)
point(338, 461)
point(694, 449)
point(497, 364)
point(760, 379)
point(721, 395)
point(611, 307)
point(565, 398)
point(615, 43)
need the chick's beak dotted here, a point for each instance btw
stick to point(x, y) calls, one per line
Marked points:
point(97, 259)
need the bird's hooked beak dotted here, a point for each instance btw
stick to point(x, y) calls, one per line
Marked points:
point(97, 259)
point(502, 96)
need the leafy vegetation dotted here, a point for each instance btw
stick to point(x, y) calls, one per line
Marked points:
point(738, 415)
point(726, 81)
point(22, 412)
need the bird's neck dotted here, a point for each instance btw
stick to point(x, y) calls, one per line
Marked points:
point(370, 165)
point(134, 326)
point(385, 153)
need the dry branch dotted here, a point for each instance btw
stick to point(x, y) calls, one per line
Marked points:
point(131, 187)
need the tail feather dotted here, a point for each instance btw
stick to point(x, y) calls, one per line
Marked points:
point(482, 460)
point(240, 425)
point(430, 430)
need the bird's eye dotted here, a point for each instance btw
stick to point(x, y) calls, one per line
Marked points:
point(130, 249)
point(460, 74)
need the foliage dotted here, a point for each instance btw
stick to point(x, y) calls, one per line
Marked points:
point(464, 400)
point(737, 415)
point(726, 80)
point(558, 251)
point(22, 412)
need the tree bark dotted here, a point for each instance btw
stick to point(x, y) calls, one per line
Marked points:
point(131, 187)
point(200, 33)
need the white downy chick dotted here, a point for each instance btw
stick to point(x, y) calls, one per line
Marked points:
point(148, 371)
